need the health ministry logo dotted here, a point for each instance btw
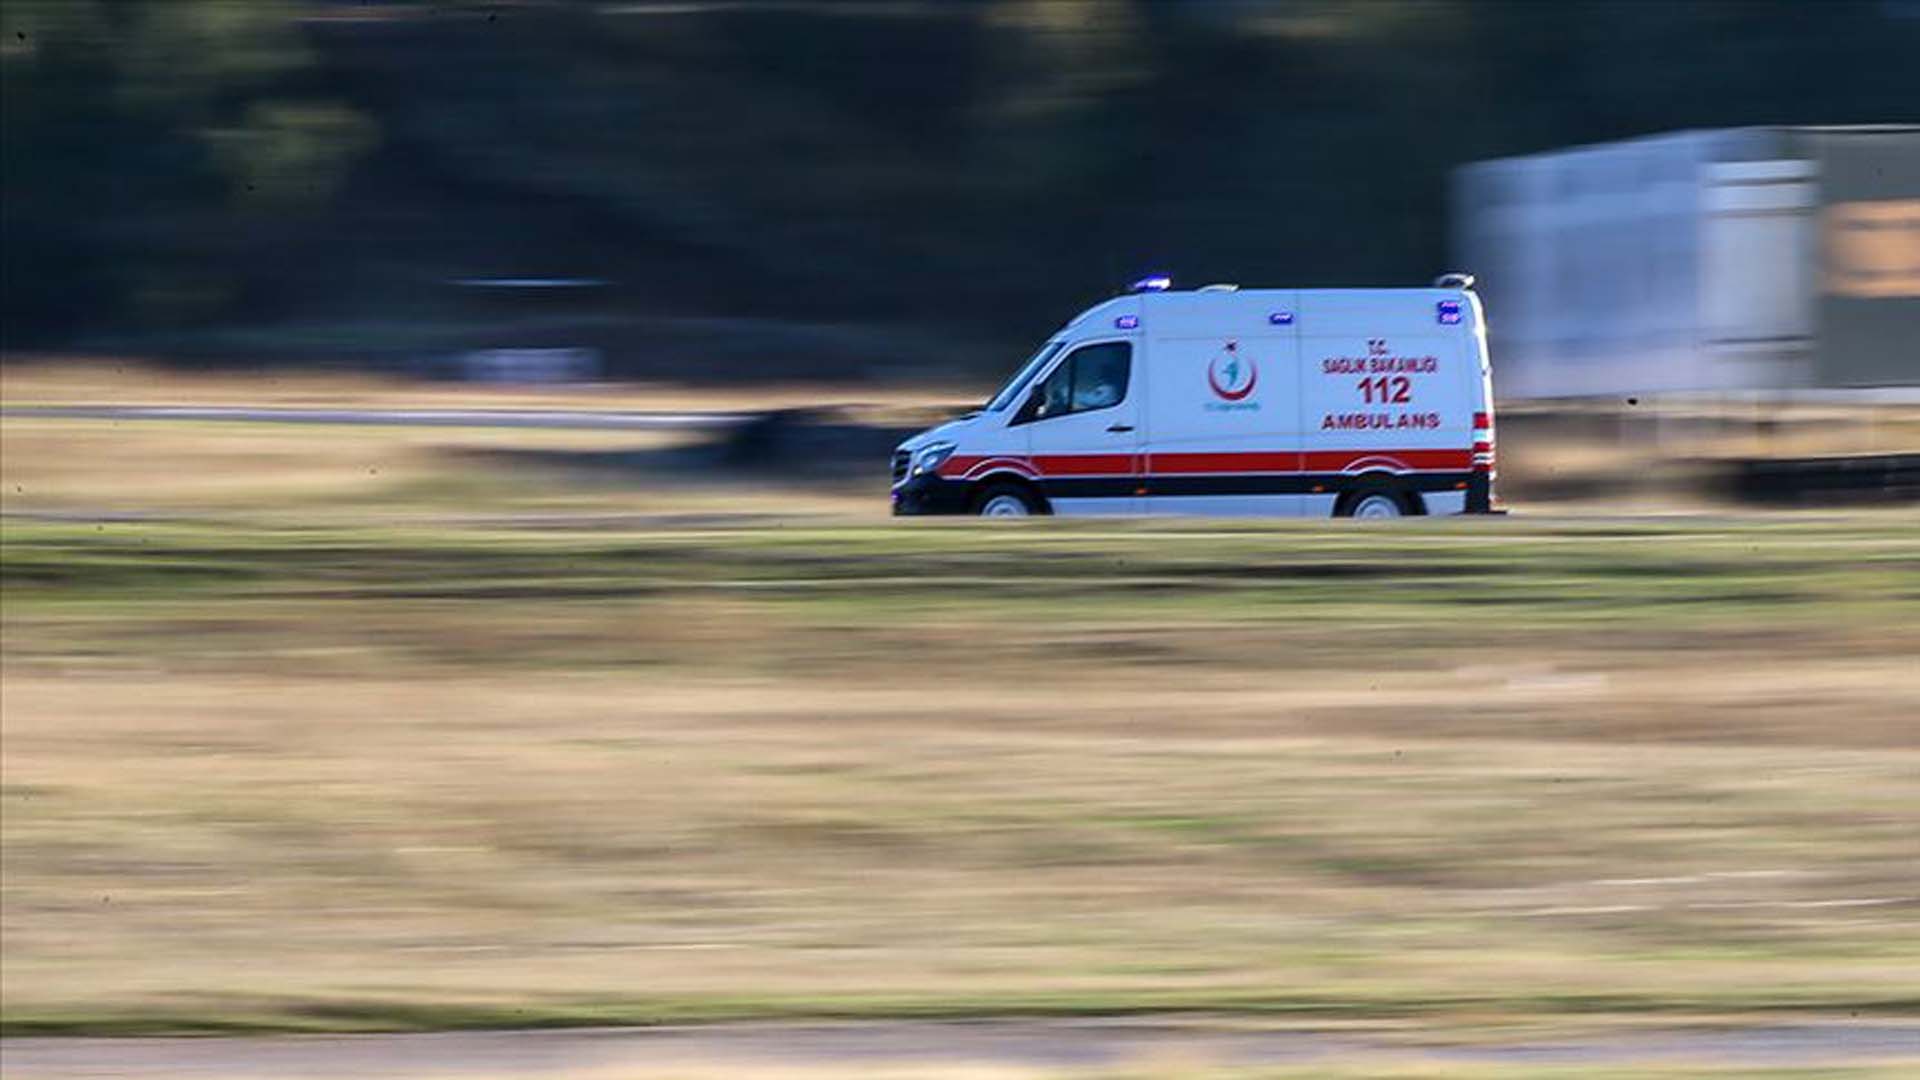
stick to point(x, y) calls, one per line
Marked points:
point(1231, 375)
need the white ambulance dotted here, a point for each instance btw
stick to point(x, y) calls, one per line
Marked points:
point(1221, 400)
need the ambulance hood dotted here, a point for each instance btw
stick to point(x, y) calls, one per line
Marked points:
point(951, 431)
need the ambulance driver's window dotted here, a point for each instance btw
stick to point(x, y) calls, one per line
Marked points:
point(1100, 375)
point(1093, 377)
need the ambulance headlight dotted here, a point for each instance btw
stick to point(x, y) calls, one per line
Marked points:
point(931, 457)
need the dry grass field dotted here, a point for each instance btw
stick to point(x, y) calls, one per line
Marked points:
point(328, 729)
point(309, 1061)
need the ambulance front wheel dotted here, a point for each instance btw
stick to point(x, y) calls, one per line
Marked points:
point(1008, 500)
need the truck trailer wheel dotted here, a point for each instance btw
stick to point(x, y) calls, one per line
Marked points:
point(1008, 500)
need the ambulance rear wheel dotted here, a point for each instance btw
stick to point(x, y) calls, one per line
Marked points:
point(1373, 503)
point(1008, 500)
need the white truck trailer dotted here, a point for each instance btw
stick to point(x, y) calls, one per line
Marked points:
point(1768, 259)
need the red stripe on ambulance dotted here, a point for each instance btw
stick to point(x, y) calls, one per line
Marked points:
point(1085, 464)
point(1326, 461)
point(1192, 464)
point(1216, 464)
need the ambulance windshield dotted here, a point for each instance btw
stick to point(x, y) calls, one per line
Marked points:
point(1011, 392)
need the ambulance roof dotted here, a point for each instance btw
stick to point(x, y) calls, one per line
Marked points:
point(1206, 311)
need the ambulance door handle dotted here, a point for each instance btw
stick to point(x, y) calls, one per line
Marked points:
point(1120, 427)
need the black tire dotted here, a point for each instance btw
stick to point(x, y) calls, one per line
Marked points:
point(1367, 500)
point(996, 499)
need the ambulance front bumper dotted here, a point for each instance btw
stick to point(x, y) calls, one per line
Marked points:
point(929, 494)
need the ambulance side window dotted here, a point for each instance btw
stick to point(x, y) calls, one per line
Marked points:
point(1100, 375)
point(1091, 377)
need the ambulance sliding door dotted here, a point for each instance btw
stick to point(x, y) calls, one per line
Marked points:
point(1223, 424)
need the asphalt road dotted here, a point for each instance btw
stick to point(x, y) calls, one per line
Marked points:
point(854, 1047)
point(576, 419)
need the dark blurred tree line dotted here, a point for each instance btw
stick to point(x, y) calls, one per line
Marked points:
point(147, 147)
point(174, 167)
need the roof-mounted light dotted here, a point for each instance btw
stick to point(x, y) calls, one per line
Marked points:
point(1156, 283)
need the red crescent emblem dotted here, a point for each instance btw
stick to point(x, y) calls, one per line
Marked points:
point(1213, 380)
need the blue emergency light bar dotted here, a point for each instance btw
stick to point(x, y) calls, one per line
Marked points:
point(1156, 283)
